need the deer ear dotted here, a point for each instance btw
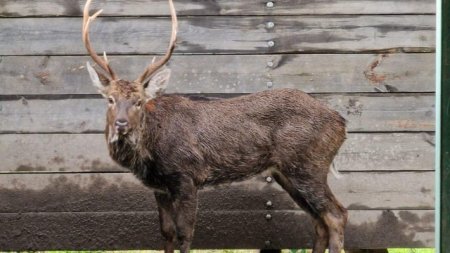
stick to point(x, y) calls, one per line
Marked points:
point(157, 84)
point(99, 81)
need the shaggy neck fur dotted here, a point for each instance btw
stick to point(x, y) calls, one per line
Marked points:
point(133, 153)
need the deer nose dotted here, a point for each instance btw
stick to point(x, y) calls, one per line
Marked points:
point(121, 123)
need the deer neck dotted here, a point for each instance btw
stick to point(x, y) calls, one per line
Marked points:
point(124, 152)
point(134, 152)
point(134, 148)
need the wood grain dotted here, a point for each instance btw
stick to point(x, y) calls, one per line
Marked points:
point(104, 192)
point(28, 153)
point(324, 73)
point(140, 230)
point(21, 8)
point(222, 35)
point(364, 113)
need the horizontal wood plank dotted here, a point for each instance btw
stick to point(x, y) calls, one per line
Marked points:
point(286, 229)
point(364, 113)
point(205, 35)
point(103, 192)
point(22, 8)
point(88, 153)
point(386, 152)
point(30, 75)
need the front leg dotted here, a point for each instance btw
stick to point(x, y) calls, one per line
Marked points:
point(166, 222)
point(185, 204)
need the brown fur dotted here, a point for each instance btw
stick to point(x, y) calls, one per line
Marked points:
point(178, 145)
point(150, 106)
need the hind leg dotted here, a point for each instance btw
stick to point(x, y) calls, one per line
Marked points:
point(311, 192)
point(321, 230)
point(335, 217)
point(321, 239)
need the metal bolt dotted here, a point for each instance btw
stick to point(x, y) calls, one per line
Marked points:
point(269, 179)
point(269, 203)
point(268, 216)
point(267, 243)
point(269, 4)
point(270, 25)
point(270, 43)
point(270, 64)
point(269, 85)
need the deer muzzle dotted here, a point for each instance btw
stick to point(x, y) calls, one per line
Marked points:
point(121, 126)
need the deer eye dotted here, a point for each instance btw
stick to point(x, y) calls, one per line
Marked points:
point(138, 103)
point(111, 100)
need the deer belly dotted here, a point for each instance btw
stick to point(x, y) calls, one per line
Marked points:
point(231, 170)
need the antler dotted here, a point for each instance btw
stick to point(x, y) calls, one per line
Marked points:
point(103, 63)
point(154, 66)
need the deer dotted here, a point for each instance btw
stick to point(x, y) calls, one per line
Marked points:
point(176, 145)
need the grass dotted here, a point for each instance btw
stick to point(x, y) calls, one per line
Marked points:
point(411, 251)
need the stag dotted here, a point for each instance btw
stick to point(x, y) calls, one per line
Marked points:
point(176, 145)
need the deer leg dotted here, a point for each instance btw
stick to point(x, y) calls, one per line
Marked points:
point(321, 230)
point(185, 213)
point(321, 241)
point(312, 193)
point(335, 217)
point(166, 222)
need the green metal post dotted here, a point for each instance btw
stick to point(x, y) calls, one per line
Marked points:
point(438, 126)
point(444, 104)
point(437, 180)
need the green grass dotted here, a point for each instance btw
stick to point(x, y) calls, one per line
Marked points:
point(411, 251)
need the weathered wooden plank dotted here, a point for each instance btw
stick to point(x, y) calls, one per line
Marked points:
point(55, 152)
point(385, 113)
point(103, 192)
point(386, 152)
point(21, 8)
point(364, 113)
point(245, 35)
point(88, 153)
point(231, 73)
point(140, 230)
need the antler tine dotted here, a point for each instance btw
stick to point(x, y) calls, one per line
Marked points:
point(87, 43)
point(154, 66)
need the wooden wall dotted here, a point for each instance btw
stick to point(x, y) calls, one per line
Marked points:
point(371, 60)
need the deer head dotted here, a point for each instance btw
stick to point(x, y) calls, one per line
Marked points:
point(125, 98)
